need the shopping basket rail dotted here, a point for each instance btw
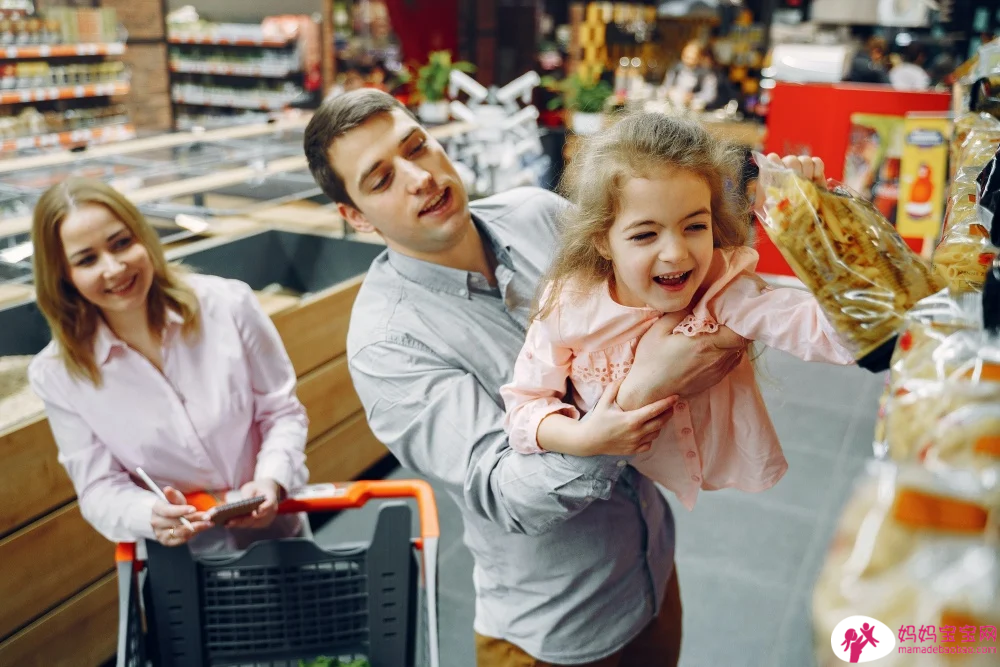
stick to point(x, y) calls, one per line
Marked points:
point(312, 498)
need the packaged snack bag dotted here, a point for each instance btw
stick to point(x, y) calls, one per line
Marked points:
point(911, 549)
point(864, 275)
point(965, 252)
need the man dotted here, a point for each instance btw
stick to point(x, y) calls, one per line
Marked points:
point(868, 65)
point(573, 556)
point(910, 73)
point(693, 81)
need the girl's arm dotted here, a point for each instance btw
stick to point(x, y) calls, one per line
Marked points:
point(786, 319)
point(538, 419)
point(535, 392)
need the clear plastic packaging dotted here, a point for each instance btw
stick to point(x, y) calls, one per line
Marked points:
point(912, 549)
point(848, 255)
point(964, 254)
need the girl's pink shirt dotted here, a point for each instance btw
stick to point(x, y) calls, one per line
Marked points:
point(720, 438)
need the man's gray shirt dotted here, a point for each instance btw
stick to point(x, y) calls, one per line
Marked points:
point(572, 554)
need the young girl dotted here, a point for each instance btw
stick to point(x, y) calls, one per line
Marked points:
point(657, 230)
point(181, 375)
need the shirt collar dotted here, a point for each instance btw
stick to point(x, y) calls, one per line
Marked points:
point(105, 339)
point(447, 279)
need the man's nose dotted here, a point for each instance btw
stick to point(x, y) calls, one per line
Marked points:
point(418, 179)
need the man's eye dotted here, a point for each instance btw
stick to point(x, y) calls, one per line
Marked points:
point(381, 183)
point(419, 147)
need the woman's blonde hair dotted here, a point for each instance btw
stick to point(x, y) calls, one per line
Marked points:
point(72, 319)
point(636, 146)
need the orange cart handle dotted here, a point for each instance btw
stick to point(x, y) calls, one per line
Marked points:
point(331, 497)
point(347, 495)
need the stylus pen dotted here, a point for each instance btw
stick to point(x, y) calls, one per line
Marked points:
point(155, 489)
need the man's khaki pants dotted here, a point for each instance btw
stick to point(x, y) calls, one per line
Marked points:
point(658, 645)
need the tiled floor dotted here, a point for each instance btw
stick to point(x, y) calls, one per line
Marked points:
point(746, 561)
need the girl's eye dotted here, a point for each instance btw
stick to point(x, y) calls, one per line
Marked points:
point(123, 243)
point(698, 227)
point(419, 147)
point(644, 236)
point(86, 260)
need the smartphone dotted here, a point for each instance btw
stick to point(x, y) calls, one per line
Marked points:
point(220, 514)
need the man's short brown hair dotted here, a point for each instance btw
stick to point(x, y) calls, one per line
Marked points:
point(336, 116)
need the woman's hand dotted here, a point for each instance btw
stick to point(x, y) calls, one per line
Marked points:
point(263, 516)
point(166, 519)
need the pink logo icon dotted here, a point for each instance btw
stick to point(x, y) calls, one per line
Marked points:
point(857, 640)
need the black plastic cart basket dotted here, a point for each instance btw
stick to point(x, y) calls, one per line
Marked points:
point(283, 601)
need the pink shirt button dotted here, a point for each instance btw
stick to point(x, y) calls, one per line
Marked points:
point(686, 431)
point(695, 478)
point(690, 455)
point(680, 406)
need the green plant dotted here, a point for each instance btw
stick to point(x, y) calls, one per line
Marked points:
point(333, 662)
point(578, 94)
point(432, 78)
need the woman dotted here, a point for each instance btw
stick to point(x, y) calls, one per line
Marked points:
point(182, 375)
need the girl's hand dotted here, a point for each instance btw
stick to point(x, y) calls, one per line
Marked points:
point(263, 515)
point(166, 519)
point(809, 168)
point(609, 430)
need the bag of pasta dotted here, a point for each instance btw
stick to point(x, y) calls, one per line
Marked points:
point(965, 252)
point(944, 405)
point(912, 549)
point(849, 256)
point(927, 326)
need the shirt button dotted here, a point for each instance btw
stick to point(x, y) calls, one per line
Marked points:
point(463, 293)
point(645, 505)
point(621, 464)
point(680, 406)
point(690, 455)
point(695, 478)
point(686, 431)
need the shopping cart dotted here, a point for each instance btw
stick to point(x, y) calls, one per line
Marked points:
point(281, 601)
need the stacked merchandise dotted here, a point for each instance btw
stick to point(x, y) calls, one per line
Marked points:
point(226, 73)
point(917, 547)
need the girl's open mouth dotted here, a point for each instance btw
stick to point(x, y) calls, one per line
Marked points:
point(673, 282)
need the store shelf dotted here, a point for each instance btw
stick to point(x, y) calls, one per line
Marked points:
point(226, 41)
point(232, 102)
point(91, 136)
point(265, 71)
point(64, 92)
point(61, 50)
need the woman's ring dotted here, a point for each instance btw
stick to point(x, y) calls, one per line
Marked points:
point(172, 533)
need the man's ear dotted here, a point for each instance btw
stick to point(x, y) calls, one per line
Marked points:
point(355, 219)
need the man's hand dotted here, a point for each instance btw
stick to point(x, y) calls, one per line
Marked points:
point(667, 364)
